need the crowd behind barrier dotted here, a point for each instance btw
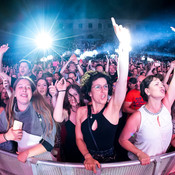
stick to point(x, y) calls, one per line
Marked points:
point(54, 90)
point(160, 165)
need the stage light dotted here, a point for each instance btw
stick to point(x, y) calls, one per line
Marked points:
point(95, 52)
point(77, 51)
point(150, 59)
point(143, 58)
point(44, 41)
point(113, 56)
point(44, 59)
point(173, 29)
point(50, 57)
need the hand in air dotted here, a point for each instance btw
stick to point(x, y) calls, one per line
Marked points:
point(52, 90)
point(3, 49)
point(74, 59)
point(122, 33)
point(61, 85)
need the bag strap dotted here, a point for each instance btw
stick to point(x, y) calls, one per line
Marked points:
point(89, 127)
point(40, 119)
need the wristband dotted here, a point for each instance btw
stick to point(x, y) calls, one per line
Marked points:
point(62, 91)
point(5, 137)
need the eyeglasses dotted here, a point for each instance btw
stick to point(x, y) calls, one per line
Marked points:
point(99, 87)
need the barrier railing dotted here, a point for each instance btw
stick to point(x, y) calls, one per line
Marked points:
point(160, 165)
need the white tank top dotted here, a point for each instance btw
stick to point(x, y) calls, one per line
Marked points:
point(155, 132)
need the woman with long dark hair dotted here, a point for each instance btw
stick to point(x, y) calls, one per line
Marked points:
point(68, 101)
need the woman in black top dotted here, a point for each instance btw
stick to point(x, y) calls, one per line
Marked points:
point(95, 127)
point(68, 101)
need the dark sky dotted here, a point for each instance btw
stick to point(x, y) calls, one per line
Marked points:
point(12, 10)
point(15, 14)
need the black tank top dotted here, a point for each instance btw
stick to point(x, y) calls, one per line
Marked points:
point(104, 135)
point(71, 151)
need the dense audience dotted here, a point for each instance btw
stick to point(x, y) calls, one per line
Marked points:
point(90, 100)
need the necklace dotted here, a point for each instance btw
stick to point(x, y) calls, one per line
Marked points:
point(74, 110)
point(152, 112)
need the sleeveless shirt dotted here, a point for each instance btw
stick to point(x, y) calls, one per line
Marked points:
point(155, 132)
point(104, 135)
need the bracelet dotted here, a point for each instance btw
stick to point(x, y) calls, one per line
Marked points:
point(5, 137)
point(86, 154)
point(62, 91)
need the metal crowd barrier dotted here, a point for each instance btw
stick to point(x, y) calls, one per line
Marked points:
point(160, 165)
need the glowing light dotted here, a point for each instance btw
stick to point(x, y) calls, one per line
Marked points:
point(44, 41)
point(44, 59)
point(173, 29)
point(95, 52)
point(82, 57)
point(143, 58)
point(77, 51)
point(113, 56)
point(50, 57)
point(150, 59)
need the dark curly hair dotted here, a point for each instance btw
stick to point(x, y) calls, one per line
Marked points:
point(145, 84)
point(92, 76)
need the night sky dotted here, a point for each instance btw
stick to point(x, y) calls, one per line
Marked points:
point(14, 10)
point(15, 14)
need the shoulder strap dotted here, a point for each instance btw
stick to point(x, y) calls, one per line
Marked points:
point(40, 119)
point(89, 127)
point(89, 110)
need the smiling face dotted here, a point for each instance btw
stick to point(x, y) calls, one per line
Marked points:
point(73, 97)
point(23, 93)
point(42, 87)
point(156, 89)
point(99, 91)
point(24, 69)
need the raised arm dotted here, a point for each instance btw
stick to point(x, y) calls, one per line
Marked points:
point(6, 85)
point(107, 64)
point(75, 60)
point(64, 67)
point(150, 70)
point(123, 64)
point(3, 49)
point(58, 111)
point(172, 65)
point(170, 95)
point(53, 92)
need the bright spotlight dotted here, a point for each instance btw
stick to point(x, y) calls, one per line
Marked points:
point(95, 52)
point(44, 41)
point(50, 57)
point(173, 29)
point(77, 51)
